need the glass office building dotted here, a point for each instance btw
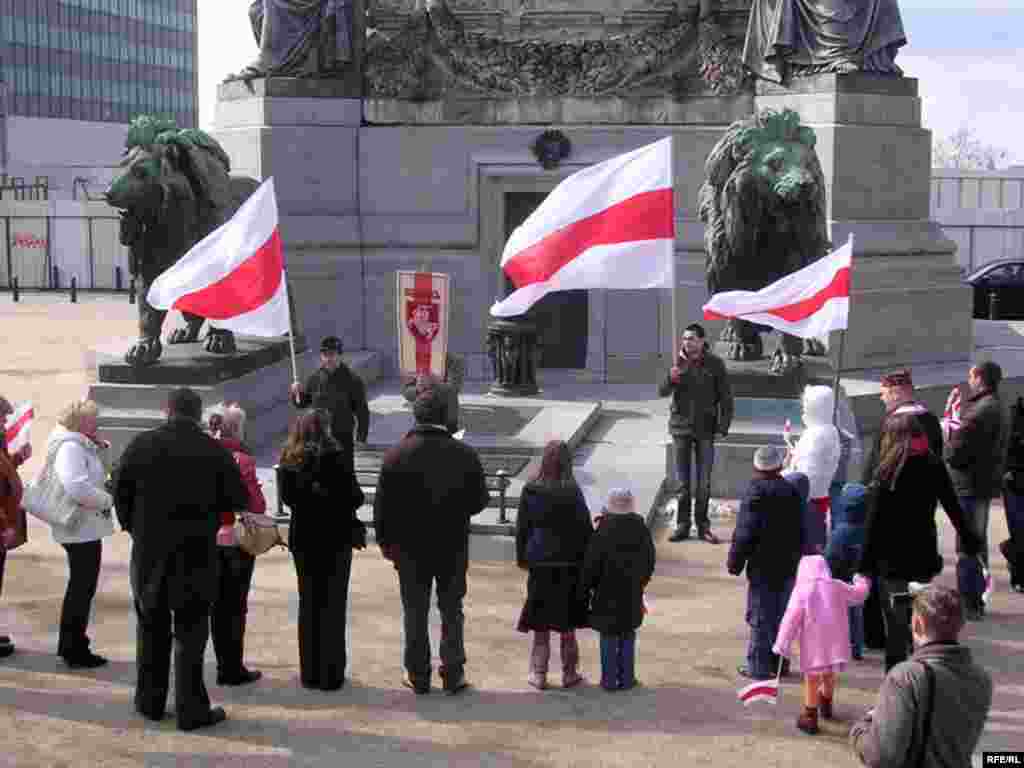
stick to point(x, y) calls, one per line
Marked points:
point(99, 60)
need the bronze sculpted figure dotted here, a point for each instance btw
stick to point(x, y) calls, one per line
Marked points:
point(763, 201)
point(288, 31)
point(804, 37)
point(174, 189)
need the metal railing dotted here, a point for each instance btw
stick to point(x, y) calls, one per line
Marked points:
point(498, 481)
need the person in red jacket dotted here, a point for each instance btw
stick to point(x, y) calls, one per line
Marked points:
point(227, 619)
point(10, 499)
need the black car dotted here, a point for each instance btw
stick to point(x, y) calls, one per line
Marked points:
point(998, 286)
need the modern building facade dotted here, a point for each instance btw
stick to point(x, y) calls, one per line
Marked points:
point(74, 73)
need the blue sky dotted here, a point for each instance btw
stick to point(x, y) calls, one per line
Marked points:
point(966, 54)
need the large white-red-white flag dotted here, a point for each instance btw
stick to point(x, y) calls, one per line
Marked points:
point(234, 276)
point(807, 303)
point(18, 427)
point(610, 225)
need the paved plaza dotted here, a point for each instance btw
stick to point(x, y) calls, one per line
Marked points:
point(685, 713)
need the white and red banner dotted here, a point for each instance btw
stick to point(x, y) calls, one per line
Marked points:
point(951, 414)
point(234, 276)
point(760, 690)
point(808, 303)
point(611, 225)
point(422, 307)
point(19, 427)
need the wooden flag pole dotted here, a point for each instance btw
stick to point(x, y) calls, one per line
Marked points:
point(291, 329)
point(839, 357)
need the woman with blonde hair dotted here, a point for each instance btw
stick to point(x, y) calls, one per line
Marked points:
point(78, 461)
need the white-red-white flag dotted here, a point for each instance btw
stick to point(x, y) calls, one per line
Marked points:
point(760, 690)
point(808, 303)
point(607, 226)
point(18, 427)
point(234, 276)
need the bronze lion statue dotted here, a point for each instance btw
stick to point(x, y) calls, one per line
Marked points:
point(763, 204)
point(174, 188)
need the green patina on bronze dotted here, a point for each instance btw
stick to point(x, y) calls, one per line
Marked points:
point(174, 188)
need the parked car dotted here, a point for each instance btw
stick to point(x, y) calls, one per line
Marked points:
point(1003, 278)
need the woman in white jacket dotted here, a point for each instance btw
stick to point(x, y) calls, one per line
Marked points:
point(81, 471)
point(816, 455)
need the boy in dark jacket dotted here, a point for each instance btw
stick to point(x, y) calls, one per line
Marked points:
point(767, 542)
point(617, 569)
point(845, 549)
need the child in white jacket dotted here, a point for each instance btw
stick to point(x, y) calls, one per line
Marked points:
point(816, 455)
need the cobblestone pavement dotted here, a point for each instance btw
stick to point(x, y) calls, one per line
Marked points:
point(685, 713)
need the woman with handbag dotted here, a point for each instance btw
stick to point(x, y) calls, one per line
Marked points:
point(320, 486)
point(901, 538)
point(228, 612)
point(76, 467)
point(12, 515)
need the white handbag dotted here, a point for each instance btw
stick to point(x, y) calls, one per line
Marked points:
point(46, 499)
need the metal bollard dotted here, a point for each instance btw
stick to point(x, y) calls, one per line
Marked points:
point(503, 484)
point(993, 305)
point(74, 289)
point(131, 291)
point(118, 279)
point(56, 277)
point(14, 289)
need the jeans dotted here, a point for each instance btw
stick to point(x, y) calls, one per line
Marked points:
point(416, 576)
point(896, 618)
point(766, 603)
point(618, 661)
point(84, 573)
point(700, 454)
point(857, 631)
point(976, 514)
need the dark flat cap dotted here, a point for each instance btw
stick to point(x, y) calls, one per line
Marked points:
point(900, 378)
point(331, 344)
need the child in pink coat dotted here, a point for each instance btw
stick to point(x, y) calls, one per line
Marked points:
point(816, 617)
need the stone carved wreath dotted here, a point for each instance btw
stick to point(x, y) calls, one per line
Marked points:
point(676, 56)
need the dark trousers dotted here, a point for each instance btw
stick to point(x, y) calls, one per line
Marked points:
point(766, 603)
point(618, 660)
point(416, 576)
point(191, 628)
point(3, 562)
point(1013, 551)
point(698, 455)
point(896, 618)
point(227, 619)
point(970, 581)
point(83, 576)
point(323, 578)
point(976, 512)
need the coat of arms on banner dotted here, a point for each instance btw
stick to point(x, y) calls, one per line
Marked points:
point(422, 308)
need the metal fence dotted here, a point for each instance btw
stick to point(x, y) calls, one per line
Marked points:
point(978, 244)
point(45, 252)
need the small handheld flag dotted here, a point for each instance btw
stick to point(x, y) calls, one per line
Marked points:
point(18, 427)
point(761, 690)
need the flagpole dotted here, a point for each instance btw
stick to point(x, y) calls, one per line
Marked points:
point(839, 357)
point(291, 327)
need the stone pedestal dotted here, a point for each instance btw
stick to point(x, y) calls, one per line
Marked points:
point(908, 304)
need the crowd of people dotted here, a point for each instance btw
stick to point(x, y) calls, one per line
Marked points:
point(816, 550)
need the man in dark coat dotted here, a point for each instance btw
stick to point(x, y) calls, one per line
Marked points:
point(171, 488)
point(1013, 498)
point(768, 542)
point(940, 679)
point(974, 455)
point(701, 411)
point(430, 485)
point(336, 389)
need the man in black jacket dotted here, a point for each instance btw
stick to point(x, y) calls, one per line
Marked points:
point(896, 391)
point(172, 485)
point(768, 541)
point(974, 455)
point(336, 389)
point(430, 485)
point(701, 411)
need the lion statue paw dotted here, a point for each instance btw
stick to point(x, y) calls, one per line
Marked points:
point(145, 351)
point(186, 335)
point(220, 342)
point(783, 362)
